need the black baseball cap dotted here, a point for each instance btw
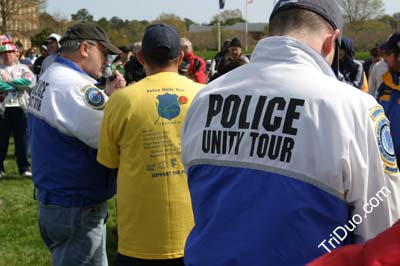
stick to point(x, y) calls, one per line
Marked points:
point(392, 43)
point(235, 43)
point(89, 31)
point(328, 9)
point(161, 36)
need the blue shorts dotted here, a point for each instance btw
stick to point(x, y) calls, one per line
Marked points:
point(75, 236)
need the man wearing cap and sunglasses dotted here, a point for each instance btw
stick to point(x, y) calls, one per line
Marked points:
point(279, 153)
point(66, 109)
point(140, 137)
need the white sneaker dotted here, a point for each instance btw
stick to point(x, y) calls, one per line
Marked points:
point(27, 174)
point(2, 174)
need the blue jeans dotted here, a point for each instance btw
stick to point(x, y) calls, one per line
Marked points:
point(75, 236)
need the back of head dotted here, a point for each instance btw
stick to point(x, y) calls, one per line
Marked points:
point(226, 43)
point(160, 45)
point(348, 47)
point(305, 15)
point(307, 19)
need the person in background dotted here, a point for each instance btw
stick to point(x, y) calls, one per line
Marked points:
point(219, 57)
point(65, 113)
point(197, 64)
point(30, 57)
point(375, 75)
point(53, 45)
point(16, 80)
point(120, 61)
point(388, 94)
point(140, 138)
point(184, 69)
point(38, 62)
point(234, 60)
point(376, 56)
point(279, 153)
point(351, 69)
point(134, 71)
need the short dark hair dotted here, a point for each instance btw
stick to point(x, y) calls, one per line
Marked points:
point(293, 19)
point(159, 58)
point(71, 46)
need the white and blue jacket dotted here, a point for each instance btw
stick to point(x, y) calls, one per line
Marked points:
point(285, 163)
point(65, 116)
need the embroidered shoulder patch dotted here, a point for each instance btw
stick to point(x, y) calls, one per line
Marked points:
point(384, 140)
point(93, 97)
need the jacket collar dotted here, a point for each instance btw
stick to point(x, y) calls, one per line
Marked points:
point(291, 51)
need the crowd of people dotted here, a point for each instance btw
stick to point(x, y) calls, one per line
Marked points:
point(277, 160)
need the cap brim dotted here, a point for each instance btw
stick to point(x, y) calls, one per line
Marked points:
point(111, 48)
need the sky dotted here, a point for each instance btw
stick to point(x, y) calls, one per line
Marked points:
point(200, 11)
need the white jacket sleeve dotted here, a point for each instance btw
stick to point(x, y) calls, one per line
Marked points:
point(372, 188)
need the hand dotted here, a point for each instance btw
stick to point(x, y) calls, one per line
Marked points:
point(118, 82)
point(4, 86)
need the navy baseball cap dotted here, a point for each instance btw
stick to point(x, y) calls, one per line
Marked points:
point(161, 36)
point(392, 43)
point(328, 9)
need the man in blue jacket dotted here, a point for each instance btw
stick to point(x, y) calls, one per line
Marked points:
point(65, 116)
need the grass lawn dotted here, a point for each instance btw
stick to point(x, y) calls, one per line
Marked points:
point(20, 241)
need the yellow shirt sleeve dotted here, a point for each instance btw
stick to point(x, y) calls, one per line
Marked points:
point(108, 151)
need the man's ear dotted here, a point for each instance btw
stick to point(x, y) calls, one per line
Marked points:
point(330, 42)
point(140, 57)
point(84, 49)
point(329, 45)
point(181, 55)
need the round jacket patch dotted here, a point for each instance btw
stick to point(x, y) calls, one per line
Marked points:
point(94, 98)
point(385, 142)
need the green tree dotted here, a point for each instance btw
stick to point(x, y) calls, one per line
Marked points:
point(104, 23)
point(38, 39)
point(57, 25)
point(188, 22)
point(173, 20)
point(82, 15)
point(361, 10)
point(373, 32)
point(389, 20)
point(117, 23)
point(136, 29)
point(228, 17)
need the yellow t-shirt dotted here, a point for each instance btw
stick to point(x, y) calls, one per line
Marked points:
point(140, 135)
